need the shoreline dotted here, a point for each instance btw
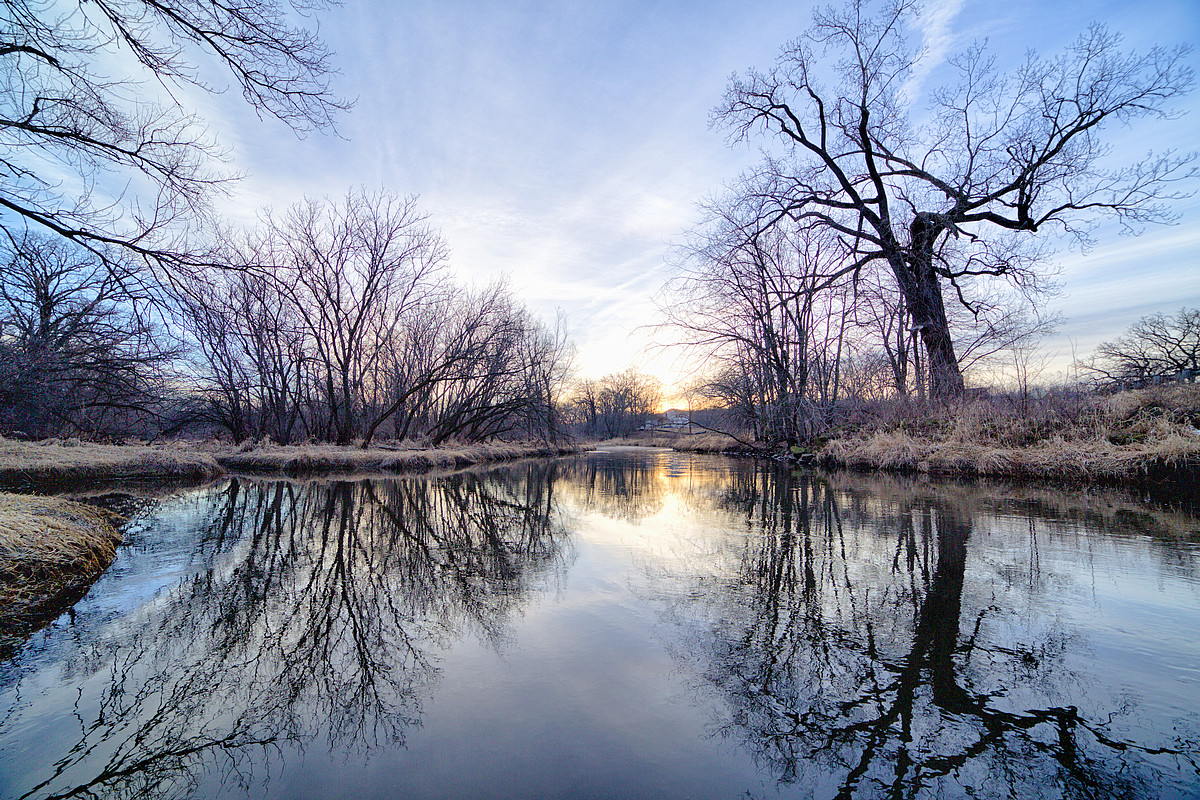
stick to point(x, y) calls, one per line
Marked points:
point(1175, 467)
point(52, 548)
point(29, 466)
point(51, 551)
point(1172, 468)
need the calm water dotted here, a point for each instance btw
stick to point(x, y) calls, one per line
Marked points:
point(627, 624)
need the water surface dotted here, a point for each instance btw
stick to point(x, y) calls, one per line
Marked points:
point(626, 624)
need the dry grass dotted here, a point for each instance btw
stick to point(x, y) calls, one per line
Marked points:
point(51, 550)
point(34, 463)
point(1131, 435)
point(328, 459)
point(71, 463)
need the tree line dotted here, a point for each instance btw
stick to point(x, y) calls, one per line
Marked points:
point(882, 247)
point(126, 305)
point(337, 321)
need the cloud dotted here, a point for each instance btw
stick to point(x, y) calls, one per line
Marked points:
point(937, 42)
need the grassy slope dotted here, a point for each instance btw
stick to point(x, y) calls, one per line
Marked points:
point(1122, 437)
point(51, 550)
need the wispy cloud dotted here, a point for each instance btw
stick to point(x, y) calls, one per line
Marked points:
point(938, 41)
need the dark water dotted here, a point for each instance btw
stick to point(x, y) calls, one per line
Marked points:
point(622, 625)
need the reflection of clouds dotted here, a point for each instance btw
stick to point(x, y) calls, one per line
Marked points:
point(317, 613)
point(877, 637)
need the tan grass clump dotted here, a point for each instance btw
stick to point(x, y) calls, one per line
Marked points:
point(1132, 435)
point(405, 457)
point(61, 460)
point(51, 550)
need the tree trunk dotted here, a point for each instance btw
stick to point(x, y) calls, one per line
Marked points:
point(922, 293)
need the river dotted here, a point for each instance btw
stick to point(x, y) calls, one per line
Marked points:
point(625, 624)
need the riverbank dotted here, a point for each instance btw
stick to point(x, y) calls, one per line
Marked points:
point(51, 551)
point(1150, 435)
point(702, 442)
point(38, 465)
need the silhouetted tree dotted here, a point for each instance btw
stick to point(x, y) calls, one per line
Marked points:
point(938, 204)
point(1156, 348)
point(78, 350)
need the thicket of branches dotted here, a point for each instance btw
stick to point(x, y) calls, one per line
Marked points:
point(336, 321)
point(79, 350)
point(341, 322)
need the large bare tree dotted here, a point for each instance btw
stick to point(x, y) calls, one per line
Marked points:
point(77, 353)
point(944, 197)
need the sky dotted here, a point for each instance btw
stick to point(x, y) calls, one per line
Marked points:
point(565, 145)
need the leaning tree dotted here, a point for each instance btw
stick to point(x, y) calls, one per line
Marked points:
point(943, 197)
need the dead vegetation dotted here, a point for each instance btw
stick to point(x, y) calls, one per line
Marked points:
point(51, 551)
point(55, 461)
point(50, 460)
point(1131, 435)
point(402, 457)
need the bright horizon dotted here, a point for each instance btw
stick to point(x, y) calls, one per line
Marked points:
point(565, 146)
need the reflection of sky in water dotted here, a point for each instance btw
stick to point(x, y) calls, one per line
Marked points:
point(616, 625)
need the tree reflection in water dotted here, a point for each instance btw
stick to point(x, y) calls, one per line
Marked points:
point(855, 637)
point(856, 661)
point(315, 617)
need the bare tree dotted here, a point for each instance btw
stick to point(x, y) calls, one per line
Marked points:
point(351, 271)
point(624, 401)
point(76, 351)
point(249, 356)
point(943, 202)
point(340, 321)
point(762, 315)
point(78, 130)
point(1156, 348)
